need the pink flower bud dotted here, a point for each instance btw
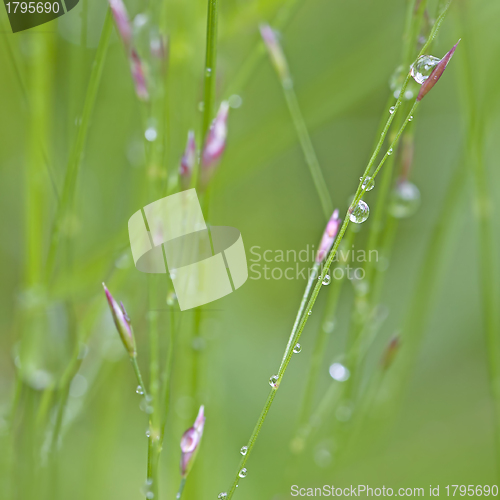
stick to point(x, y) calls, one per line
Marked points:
point(436, 73)
point(137, 70)
point(190, 442)
point(215, 143)
point(122, 323)
point(188, 161)
point(122, 21)
point(329, 235)
point(276, 52)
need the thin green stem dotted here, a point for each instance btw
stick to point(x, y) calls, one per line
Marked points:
point(308, 310)
point(324, 332)
point(181, 488)
point(137, 371)
point(244, 74)
point(69, 187)
point(315, 292)
point(291, 340)
point(167, 377)
point(308, 148)
point(210, 67)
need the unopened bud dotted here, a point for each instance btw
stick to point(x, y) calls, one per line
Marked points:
point(188, 161)
point(436, 73)
point(190, 443)
point(137, 69)
point(276, 52)
point(122, 323)
point(122, 21)
point(329, 235)
point(215, 144)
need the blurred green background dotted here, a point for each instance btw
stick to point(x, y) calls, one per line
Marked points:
point(341, 55)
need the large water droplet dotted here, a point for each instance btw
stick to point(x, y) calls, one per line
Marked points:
point(368, 183)
point(360, 212)
point(273, 381)
point(391, 109)
point(222, 496)
point(243, 472)
point(339, 372)
point(148, 433)
point(423, 67)
point(405, 200)
point(327, 279)
point(297, 348)
point(244, 450)
point(139, 390)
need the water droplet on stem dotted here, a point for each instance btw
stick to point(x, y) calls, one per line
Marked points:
point(423, 67)
point(360, 212)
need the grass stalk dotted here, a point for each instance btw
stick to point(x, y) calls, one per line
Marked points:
point(308, 149)
point(321, 345)
point(76, 155)
point(282, 18)
point(289, 349)
point(210, 67)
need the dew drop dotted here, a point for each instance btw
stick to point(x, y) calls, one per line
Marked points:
point(139, 390)
point(243, 472)
point(423, 67)
point(201, 106)
point(405, 200)
point(151, 134)
point(273, 381)
point(360, 212)
point(391, 109)
point(389, 152)
point(146, 488)
point(222, 496)
point(339, 372)
point(410, 118)
point(368, 183)
point(297, 348)
point(244, 450)
point(327, 280)
point(150, 495)
point(148, 433)
point(309, 313)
